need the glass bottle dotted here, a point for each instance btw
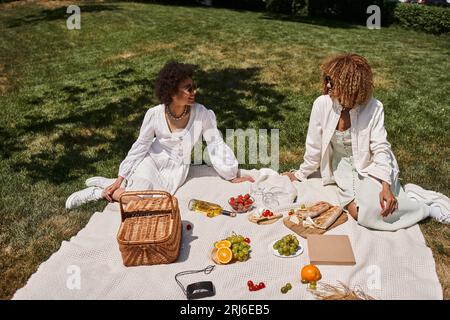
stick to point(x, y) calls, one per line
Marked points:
point(211, 209)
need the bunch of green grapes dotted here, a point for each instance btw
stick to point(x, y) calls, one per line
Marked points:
point(287, 245)
point(239, 247)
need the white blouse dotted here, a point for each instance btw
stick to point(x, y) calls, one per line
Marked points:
point(171, 151)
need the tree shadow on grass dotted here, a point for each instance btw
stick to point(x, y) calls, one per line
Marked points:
point(83, 138)
point(317, 21)
point(86, 136)
point(238, 98)
point(58, 13)
point(72, 156)
point(9, 144)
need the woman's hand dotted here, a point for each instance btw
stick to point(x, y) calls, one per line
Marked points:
point(243, 179)
point(290, 175)
point(108, 192)
point(388, 202)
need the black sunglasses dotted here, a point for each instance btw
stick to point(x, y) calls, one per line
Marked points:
point(191, 88)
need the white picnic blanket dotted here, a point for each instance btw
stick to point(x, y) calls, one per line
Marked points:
point(390, 265)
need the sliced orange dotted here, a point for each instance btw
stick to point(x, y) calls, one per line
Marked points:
point(223, 244)
point(224, 255)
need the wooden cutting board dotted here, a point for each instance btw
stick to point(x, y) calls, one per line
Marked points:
point(305, 231)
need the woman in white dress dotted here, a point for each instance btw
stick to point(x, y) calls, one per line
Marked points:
point(347, 141)
point(160, 157)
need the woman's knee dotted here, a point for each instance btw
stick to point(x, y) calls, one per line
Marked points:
point(139, 184)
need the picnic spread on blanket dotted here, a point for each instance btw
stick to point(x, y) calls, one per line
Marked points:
point(235, 241)
point(150, 233)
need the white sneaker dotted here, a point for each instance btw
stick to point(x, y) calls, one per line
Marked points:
point(439, 215)
point(101, 182)
point(428, 197)
point(78, 198)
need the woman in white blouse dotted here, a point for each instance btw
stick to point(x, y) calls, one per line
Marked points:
point(347, 141)
point(160, 157)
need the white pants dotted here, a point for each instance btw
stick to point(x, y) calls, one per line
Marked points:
point(145, 177)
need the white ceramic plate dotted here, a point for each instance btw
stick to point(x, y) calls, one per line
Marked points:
point(275, 252)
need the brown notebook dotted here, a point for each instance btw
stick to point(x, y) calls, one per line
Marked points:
point(330, 250)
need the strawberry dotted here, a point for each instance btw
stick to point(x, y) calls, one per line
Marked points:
point(247, 196)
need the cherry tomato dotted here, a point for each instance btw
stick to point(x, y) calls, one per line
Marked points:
point(247, 240)
point(250, 283)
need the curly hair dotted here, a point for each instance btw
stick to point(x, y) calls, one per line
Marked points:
point(351, 79)
point(169, 79)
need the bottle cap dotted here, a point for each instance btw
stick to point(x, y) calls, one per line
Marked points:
point(228, 213)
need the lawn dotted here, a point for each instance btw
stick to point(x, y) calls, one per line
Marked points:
point(72, 102)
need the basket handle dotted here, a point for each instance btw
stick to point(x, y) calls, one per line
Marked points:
point(142, 193)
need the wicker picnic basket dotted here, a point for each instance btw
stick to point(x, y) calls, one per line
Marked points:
point(150, 232)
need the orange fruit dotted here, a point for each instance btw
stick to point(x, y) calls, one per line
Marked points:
point(310, 273)
point(224, 255)
point(223, 244)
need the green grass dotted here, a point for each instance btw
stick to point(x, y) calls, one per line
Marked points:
point(72, 102)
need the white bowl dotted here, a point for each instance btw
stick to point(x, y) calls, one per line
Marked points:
point(275, 252)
